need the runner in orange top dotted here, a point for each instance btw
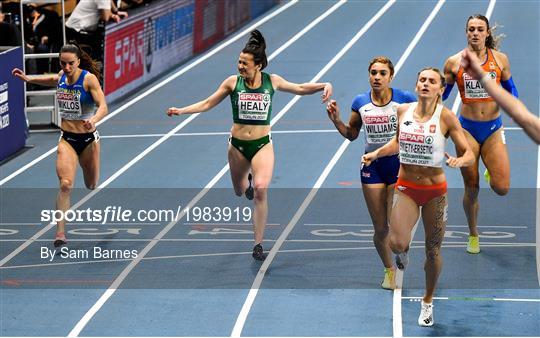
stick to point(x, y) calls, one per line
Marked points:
point(481, 119)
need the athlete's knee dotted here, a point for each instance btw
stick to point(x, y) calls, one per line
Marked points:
point(381, 232)
point(66, 185)
point(500, 188)
point(398, 244)
point(471, 184)
point(260, 192)
point(433, 254)
point(471, 192)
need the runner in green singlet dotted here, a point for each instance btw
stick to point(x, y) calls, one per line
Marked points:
point(251, 154)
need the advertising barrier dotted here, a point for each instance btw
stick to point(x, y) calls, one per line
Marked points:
point(145, 45)
point(13, 127)
point(166, 34)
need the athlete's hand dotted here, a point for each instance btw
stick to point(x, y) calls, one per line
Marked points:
point(332, 110)
point(20, 74)
point(174, 111)
point(327, 92)
point(453, 162)
point(368, 158)
point(89, 124)
point(471, 64)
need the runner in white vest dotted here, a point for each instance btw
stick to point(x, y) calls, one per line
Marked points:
point(420, 141)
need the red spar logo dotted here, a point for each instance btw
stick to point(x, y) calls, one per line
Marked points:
point(411, 137)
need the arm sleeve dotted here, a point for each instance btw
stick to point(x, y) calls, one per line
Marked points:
point(447, 91)
point(510, 86)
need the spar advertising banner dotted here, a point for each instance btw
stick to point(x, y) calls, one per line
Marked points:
point(147, 44)
point(13, 128)
point(216, 19)
point(166, 34)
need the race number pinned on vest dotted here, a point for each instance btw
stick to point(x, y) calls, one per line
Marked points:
point(253, 106)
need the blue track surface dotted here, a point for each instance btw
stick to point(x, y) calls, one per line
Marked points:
point(196, 275)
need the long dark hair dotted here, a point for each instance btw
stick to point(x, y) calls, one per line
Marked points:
point(492, 41)
point(87, 63)
point(256, 46)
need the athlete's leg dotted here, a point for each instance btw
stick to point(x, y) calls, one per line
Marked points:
point(404, 215)
point(495, 157)
point(239, 167)
point(379, 202)
point(89, 161)
point(66, 168)
point(471, 182)
point(434, 215)
point(262, 166)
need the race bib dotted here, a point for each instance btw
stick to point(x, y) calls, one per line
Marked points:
point(380, 129)
point(473, 87)
point(253, 106)
point(69, 103)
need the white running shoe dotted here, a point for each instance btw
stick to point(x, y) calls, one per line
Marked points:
point(402, 260)
point(426, 315)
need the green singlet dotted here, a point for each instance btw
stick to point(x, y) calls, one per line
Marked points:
point(252, 106)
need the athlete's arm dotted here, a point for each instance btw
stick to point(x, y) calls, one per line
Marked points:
point(392, 147)
point(514, 107)
point(308, 88)
point(507, 82)
point(349, 131)
point(99, 99)
point(450, 76)
point(210, 102)
point(455, 132)
point(44, 80)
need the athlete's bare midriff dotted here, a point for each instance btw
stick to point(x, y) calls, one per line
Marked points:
point(480, 111)
point(74, 126)
point(421, 175)
point(248, 131)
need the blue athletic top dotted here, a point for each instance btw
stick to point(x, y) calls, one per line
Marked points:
point(380, 122)
point(74, 102)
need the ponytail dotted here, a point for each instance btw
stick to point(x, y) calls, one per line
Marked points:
point(256, 46)
point(87, 63)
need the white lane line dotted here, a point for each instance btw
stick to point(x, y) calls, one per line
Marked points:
point(244, 312)
point(397, 325)
point(526, 300)
point(242, 316)
point(448, 226)
point(44, 265)
point(162, 83)
point(93, 310)
point(220, 133)
point(165, 240)
point(227, 133)
point(155, 144)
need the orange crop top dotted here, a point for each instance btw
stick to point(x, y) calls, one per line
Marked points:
point(471, 90)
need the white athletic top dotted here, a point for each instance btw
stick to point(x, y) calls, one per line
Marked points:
point(379, 122)
point(85, 16)
point(421, 143)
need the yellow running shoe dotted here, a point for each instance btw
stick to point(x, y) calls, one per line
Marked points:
point(487, 176)
point(389, 281)
point(473, 246)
